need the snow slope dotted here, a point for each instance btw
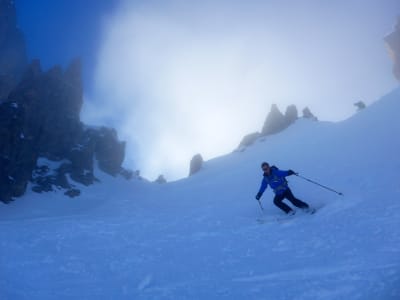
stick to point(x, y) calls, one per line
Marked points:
point(198, 238)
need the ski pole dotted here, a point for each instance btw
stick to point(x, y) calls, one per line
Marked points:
point(325, 187)
point(259, 202)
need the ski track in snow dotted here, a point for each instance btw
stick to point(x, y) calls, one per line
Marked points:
point(199, 238)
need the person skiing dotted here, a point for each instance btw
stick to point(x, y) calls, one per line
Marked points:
point(275, 178)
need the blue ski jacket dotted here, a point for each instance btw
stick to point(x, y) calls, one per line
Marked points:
point(276, 180)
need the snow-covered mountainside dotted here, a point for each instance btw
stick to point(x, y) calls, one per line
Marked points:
point(199, 238)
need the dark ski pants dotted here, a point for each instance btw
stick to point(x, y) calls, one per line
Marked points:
point(278, 201)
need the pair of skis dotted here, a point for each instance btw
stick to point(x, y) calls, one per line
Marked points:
point(261, 220)
point(285, 218)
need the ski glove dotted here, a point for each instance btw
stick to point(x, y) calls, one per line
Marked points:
point(258, 196)
point(291, 172)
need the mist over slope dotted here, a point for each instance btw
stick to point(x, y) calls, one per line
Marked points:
point(198, 238)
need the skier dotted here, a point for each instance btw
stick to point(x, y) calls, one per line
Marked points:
point(275, 178)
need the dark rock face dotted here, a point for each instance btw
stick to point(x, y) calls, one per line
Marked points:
point(42, 139)
point(48, 175)
point(109, 151)
point(360, 105)
point(16, 156)
point(276, 121)
point(393, 43)
point(41, 119)
point(73, 193)
point(195, 164)
point(51, 103)
point(12, 49)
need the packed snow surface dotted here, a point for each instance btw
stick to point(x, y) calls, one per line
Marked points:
point(198, 238)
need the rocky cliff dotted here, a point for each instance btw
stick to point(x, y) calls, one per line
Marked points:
point(275, 122)
point(42, 139)
point(12, 49)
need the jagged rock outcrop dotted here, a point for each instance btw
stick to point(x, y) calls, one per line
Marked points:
point(276, 121)
point(12, 49)
point(195, 164)
point(51, 102)
point(108, 150)
point(249, 139)
point(291, 114)
point(160, 179)
point(393, 42)
point(360, 105)
point(307, 114)
point(43, 139)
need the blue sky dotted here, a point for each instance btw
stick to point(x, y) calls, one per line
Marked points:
point(57, 31)
point(176, 77)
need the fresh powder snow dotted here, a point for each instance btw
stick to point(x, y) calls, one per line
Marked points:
point(198, 238)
